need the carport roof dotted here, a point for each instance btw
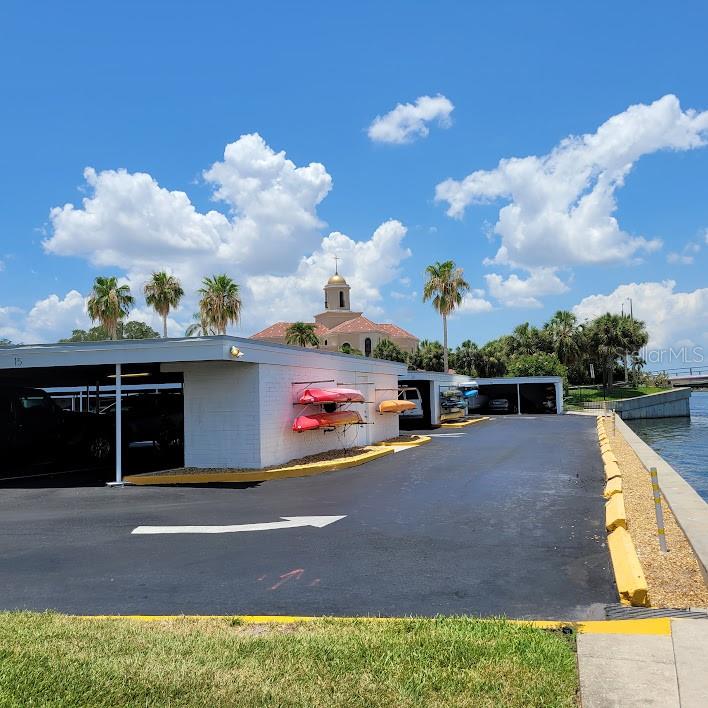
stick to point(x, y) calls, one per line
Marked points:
point(185, 349)
point(457, 379)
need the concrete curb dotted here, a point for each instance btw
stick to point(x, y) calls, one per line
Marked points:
point(615, 514)
point(306, 470)
point(629, 576)
point(464, 423)
point(689, 509)
point(631, 583)
point(651, 626)
point(419, 440)
point(613, 486)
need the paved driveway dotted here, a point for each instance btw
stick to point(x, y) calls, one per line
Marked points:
point(502, 517)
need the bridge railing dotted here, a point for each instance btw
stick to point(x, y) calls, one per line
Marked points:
point(686, 371)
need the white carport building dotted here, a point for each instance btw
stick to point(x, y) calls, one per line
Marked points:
point(238, 393)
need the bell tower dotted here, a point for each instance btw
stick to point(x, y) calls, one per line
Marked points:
point(337, 291)
point(337, 303)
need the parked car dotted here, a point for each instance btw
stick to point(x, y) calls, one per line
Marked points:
point(146, 419)
point(412, 394)
point(501, 405)
point(33, 429)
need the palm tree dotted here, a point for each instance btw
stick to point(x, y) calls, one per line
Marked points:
point(199, 328)
point(465, 358)
point(302, 334)
point(566, 337)
point(220, 304)
point(163, 292)
point(446, 287)
point(525, 339)
point(109, 303)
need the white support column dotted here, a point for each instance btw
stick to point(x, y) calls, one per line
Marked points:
point(518, 399)
point(119, 430)
point(559, 397)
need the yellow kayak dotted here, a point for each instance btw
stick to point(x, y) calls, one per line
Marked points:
point(395, 406)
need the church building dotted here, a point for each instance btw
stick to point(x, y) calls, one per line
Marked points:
point(338, 325)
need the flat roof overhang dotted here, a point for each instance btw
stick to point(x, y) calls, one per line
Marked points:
point(142, 352)
point(459, 379)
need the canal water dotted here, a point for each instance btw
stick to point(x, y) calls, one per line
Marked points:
point(683, 443)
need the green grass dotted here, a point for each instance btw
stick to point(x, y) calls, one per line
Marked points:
point(577, 396)
point(54, 660)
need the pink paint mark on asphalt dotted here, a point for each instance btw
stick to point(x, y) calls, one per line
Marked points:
point(315, 582)
point(291, 575)
point(263, 577)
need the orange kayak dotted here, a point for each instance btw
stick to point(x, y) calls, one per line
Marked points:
point(395, 406)
point(326, 420)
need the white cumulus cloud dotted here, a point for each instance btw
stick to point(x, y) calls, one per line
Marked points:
point(409, 121)
point(474, 303)
point(131, 222)
point(367, 265)
point(48, 320)
point(673, 319)
point(525, 292)
point(686, 256)
point(560, 207)
point(270, 241)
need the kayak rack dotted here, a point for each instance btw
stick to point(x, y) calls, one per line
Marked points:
point(309, 383)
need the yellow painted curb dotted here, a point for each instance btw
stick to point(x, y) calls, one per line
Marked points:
point(464, 423)
point(609, 456)
point(613, 486)
point(654, 625)
point(414, 442)
point(629, 576)
point(307, 470)
point(615, 515)
point(612, 469)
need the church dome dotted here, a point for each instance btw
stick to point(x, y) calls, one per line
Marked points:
point(336, 279)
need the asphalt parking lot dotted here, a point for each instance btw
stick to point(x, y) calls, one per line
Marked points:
point(505, 517)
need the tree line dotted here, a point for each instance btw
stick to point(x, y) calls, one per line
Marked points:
point(563, 346)
point(110, 303)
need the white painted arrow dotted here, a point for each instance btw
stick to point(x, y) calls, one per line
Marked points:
point(290, 522)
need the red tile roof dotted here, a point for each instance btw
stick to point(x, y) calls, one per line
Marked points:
point(395, 331)
point(279, 329)
point(357, 324)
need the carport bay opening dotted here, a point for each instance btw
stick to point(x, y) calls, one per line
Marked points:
point(238, 408)
point(525, 394)
point(64, 420)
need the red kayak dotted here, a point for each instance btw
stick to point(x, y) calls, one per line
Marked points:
point(331, 395)
point(325, 420)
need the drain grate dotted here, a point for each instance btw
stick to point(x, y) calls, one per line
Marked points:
point(622, 612)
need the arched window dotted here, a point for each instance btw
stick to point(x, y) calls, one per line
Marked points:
point(367, 346)
point(341, 299)
point(325, 342)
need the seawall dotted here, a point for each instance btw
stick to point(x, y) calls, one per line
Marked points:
point(690, 511)
point(666, 404)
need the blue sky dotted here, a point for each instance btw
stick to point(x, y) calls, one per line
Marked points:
point(162, 88)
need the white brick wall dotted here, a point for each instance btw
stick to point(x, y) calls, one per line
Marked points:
point(280, 444)
point(221, 415)
point(241, 414)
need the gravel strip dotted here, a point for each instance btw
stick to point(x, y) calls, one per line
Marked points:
point(328, 456)
point(674, 579)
